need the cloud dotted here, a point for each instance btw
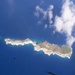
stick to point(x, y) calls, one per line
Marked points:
point(50, 13)
point(47, 14)
point(66, 21)
point(70, 40)
point(39, 11)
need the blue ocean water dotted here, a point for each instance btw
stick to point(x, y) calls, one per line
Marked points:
point(17, 21)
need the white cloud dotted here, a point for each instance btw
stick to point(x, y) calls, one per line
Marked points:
point(40, 11)
point(50, 13)
point(66, 22)
point(70, 40)
point(46, 13)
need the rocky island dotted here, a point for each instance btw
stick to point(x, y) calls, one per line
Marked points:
point(46, 47)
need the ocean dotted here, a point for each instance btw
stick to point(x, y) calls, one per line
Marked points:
point(17, 21)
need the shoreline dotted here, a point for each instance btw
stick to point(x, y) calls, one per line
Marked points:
point(49, 49)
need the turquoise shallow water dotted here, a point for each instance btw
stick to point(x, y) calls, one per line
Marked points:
point(28, 61)
point(22, 24)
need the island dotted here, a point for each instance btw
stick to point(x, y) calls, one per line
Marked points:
point(46, 47)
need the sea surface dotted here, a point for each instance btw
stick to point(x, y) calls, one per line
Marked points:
point(17, 21)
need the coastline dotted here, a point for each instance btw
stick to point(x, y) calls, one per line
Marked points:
point(46, 47)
